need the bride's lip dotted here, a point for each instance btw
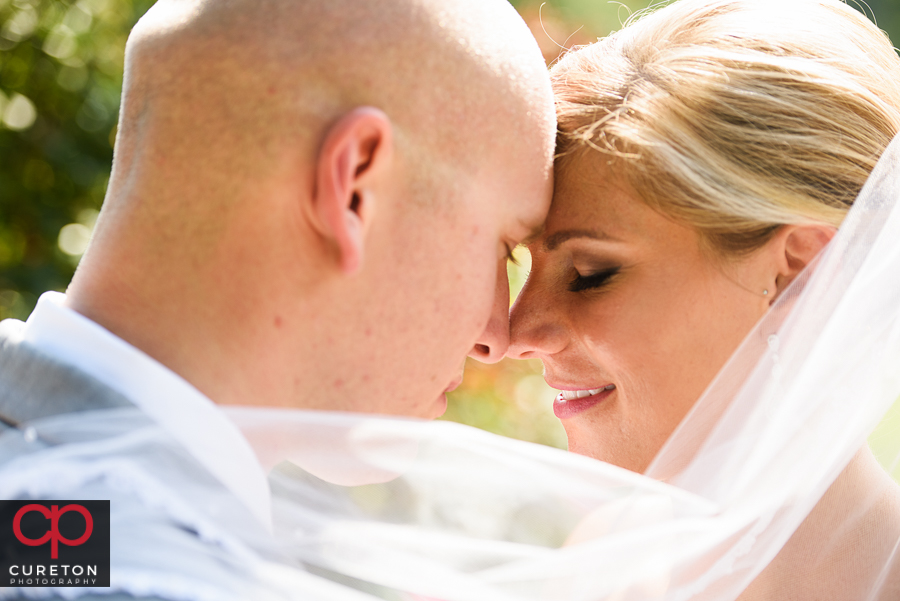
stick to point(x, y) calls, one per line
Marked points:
point(569, 407)
point(574, 387)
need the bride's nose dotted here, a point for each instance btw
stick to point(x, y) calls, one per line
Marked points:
point(533, 331)
point(491, 346)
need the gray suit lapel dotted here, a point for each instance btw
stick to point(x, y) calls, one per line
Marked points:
point(33, 386)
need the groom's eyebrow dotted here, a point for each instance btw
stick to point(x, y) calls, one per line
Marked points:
point(535, 232)
point(553, 242)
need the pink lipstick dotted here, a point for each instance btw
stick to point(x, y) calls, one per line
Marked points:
point(571, 403)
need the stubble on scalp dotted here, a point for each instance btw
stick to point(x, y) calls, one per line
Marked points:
point(222, 87)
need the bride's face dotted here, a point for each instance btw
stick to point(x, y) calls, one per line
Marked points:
point(624, 300)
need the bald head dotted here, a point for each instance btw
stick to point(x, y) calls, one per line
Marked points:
point(205, 78)
point(311, 201)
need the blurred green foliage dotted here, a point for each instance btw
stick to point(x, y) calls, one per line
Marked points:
point(60, 81)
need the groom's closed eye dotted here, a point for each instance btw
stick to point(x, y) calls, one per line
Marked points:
point(510, 256)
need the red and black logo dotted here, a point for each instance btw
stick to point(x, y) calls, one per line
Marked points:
point(54, 543)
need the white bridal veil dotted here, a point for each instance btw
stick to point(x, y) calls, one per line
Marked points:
point(402, 509)
point(440, 511)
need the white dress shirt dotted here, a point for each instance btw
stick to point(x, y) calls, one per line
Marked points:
point(179, 408)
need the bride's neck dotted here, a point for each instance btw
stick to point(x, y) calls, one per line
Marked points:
point(838, 552)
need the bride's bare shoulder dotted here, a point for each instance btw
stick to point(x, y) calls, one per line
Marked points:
point(845, 547)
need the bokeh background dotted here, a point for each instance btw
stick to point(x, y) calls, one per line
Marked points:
point(60, 80)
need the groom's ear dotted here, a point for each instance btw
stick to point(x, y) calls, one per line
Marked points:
point(356, 151)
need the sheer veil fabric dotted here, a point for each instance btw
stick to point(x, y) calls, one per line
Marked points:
point(404, 509)
point(439, 511)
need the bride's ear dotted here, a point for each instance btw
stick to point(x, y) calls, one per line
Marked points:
point(795, 246)
point(354, 155)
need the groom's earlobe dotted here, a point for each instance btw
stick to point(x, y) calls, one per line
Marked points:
point(354, 155)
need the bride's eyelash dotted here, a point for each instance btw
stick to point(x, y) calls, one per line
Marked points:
point(595, 280)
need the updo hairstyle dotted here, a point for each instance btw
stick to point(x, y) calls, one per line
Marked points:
point(736, 116)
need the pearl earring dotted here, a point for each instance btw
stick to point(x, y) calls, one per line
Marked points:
point(765, 292)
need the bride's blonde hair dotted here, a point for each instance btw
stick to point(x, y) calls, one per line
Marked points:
point(736, 116)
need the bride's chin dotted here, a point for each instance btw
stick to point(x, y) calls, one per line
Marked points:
point(602, 446)
point(590, 451)
point(582, 443)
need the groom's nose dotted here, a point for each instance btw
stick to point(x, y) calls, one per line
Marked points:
point(494, 340)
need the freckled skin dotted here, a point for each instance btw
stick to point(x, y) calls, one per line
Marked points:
point(659, 330)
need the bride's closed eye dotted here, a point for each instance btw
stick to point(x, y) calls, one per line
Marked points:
point(594, 280)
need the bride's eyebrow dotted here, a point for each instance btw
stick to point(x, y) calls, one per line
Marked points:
point(553, 242)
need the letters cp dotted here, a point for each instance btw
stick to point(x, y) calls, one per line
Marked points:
point(53, 536)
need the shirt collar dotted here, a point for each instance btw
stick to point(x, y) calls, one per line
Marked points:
point(179, 408)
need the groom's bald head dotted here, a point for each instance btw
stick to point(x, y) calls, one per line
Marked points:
point(226, 84)
point(312, 200)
